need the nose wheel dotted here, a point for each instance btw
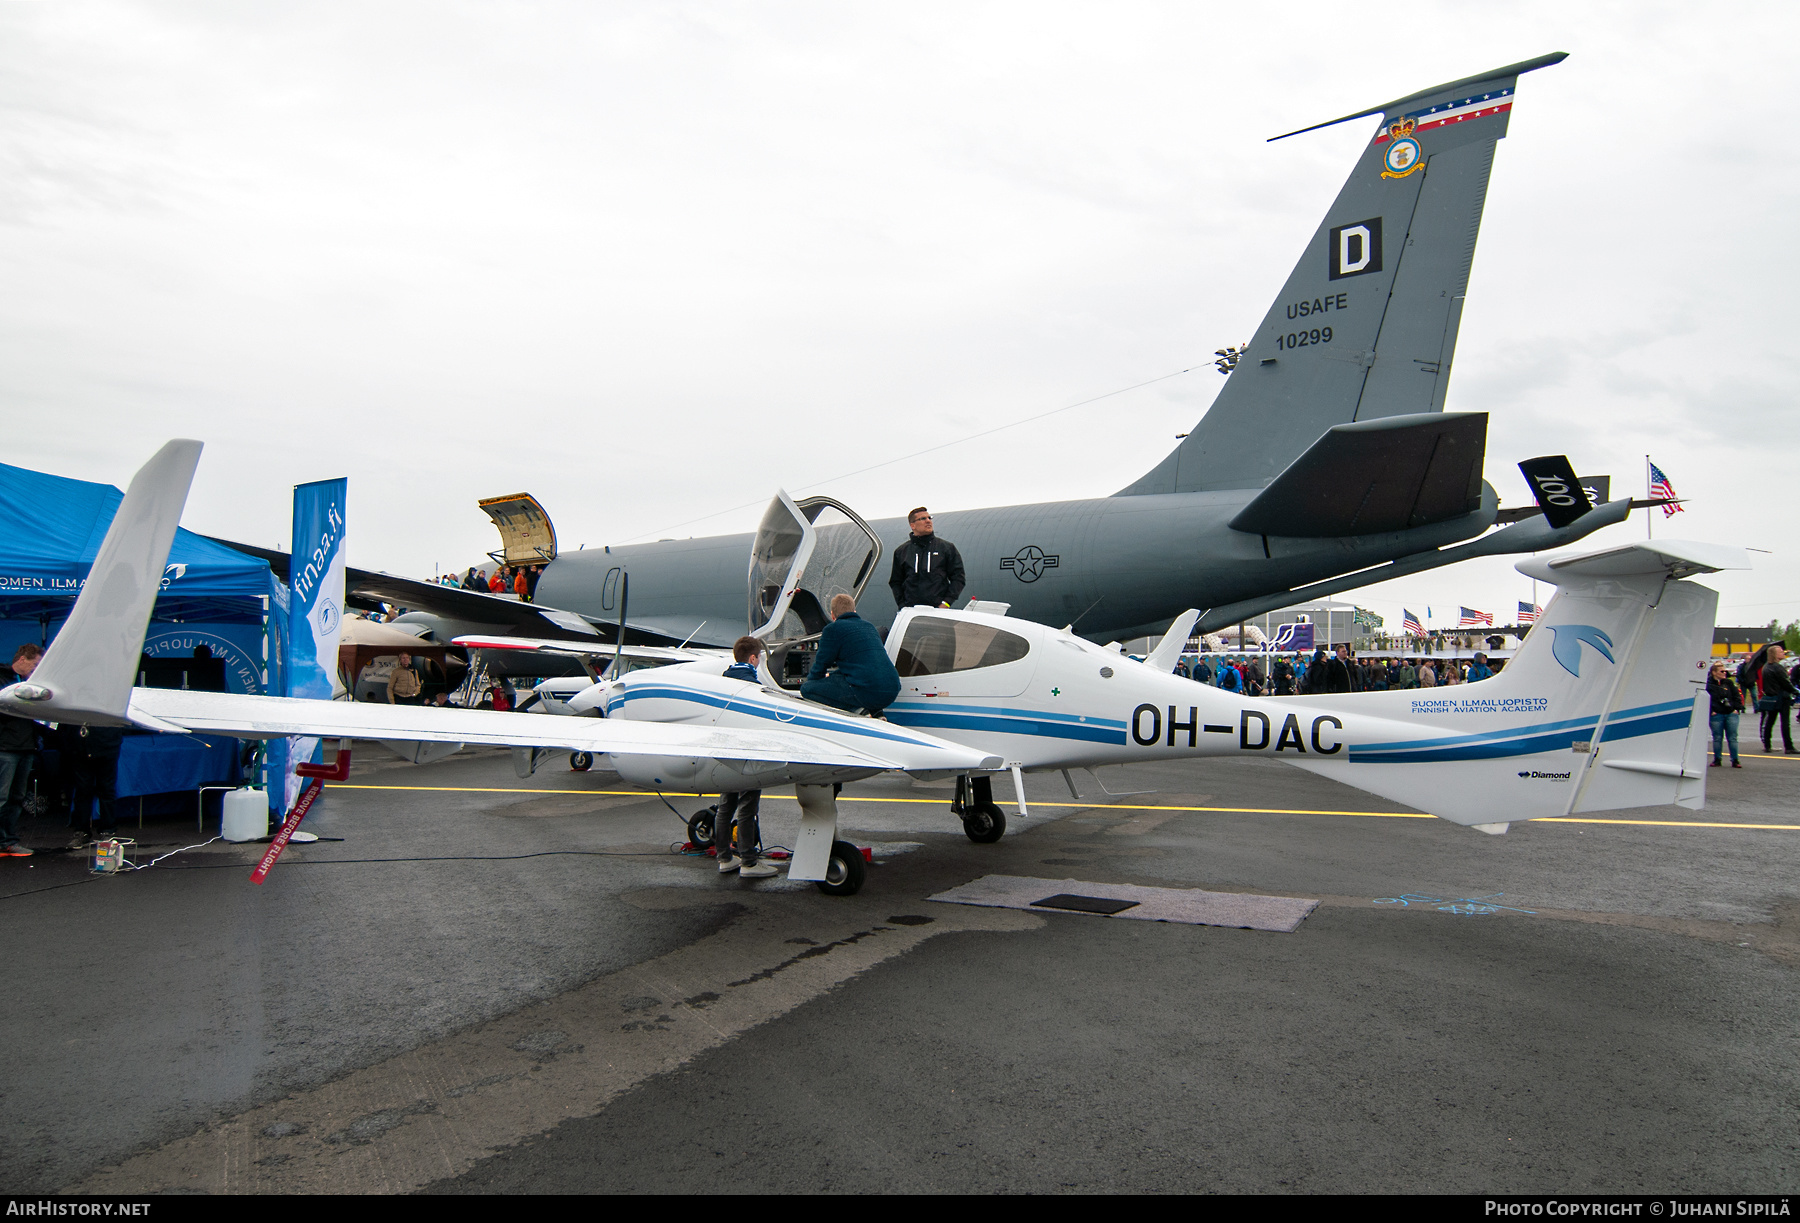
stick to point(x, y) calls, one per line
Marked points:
point(581, 762)
point(983, 821)
point(700, 827)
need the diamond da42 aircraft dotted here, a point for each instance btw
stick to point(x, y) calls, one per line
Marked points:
point(1601, 708)
point(1327, 461)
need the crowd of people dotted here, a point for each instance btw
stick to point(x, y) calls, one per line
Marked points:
point(518, 580)
point(1338, 670)
point(1765, 681)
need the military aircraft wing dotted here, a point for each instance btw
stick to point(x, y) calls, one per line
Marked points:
point(596, 649)
point(368, 590)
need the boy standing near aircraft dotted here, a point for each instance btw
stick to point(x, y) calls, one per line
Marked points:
point(928, 571)
point(745, 804)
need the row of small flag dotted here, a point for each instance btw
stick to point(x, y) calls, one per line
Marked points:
point(1470, 617)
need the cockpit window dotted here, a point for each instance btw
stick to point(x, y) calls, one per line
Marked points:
point(936, 646)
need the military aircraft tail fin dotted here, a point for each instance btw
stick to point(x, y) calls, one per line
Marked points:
point(86, 674)
point(1366, 324)
point(1602, 707)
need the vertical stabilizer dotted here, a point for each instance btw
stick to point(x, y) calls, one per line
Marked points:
point(1602, 708)
point(87, 673)
point(1366, 324)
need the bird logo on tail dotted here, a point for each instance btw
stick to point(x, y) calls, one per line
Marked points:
point(1565, 645)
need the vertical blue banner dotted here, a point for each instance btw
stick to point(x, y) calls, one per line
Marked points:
point(315, 622)
point(316, 582)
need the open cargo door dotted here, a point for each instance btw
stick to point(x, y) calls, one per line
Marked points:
point(526, 535)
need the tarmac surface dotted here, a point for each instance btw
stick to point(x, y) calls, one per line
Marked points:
point(497, 985)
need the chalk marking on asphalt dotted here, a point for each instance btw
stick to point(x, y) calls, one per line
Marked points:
point(937, 802)
point(436, 1111)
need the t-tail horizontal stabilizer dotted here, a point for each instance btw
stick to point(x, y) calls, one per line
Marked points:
point(1603, 707)
point(87, 672)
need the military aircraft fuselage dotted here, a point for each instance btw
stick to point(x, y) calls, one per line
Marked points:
point(1115, 567)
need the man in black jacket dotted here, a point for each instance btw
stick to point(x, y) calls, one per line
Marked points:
point(928, 571)
point(18, 752)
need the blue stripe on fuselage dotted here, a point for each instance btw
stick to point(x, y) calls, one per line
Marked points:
point(1551, 737)
point(1004, 722)
point(793, 717)
point(993, 711)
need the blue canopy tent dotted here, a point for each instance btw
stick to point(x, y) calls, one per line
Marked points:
point(51, 528)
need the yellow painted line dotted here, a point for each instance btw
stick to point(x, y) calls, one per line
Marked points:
point(936, 802)
point(930, 802)
point(1760, 756)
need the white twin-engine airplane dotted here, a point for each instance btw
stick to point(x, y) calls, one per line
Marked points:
point(1602, 707)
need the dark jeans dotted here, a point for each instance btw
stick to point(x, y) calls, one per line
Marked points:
point(96, 778)
point(15, 772)
point(745, 804)
point(1768, 727)
point(840, 694)
point(1724, 727)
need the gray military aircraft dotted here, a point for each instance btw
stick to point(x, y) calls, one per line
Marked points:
point(1327, 462)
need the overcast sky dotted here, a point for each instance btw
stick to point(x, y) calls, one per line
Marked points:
point(649, 262)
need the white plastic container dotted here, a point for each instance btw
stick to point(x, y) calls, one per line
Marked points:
point(246, 815)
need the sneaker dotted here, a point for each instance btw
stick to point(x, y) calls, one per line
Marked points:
point(1736, 765)
point(759, 870)
point(1713, 765)
point(81, 840)
point(729, 863)
point(14, 851)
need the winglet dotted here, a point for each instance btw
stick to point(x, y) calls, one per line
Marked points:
point(1529, 65)
point(87, 672)
point(1168, 651)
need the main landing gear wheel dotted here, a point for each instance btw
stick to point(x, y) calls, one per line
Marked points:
point(581, 762)
point(845, 872)
point(700, 827)
point(984, 824)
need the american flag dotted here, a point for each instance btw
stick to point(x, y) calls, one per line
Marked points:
point(1660, 487)
point(1470, 618)
point(1409, 624)
point(1529, 612)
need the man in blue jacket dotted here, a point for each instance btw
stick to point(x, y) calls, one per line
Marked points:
point(851, 670)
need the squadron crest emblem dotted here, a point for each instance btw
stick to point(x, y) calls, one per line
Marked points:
point(1403, 153)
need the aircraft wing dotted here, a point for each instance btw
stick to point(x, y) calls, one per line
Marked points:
point(368, 590)
point(274, 717)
